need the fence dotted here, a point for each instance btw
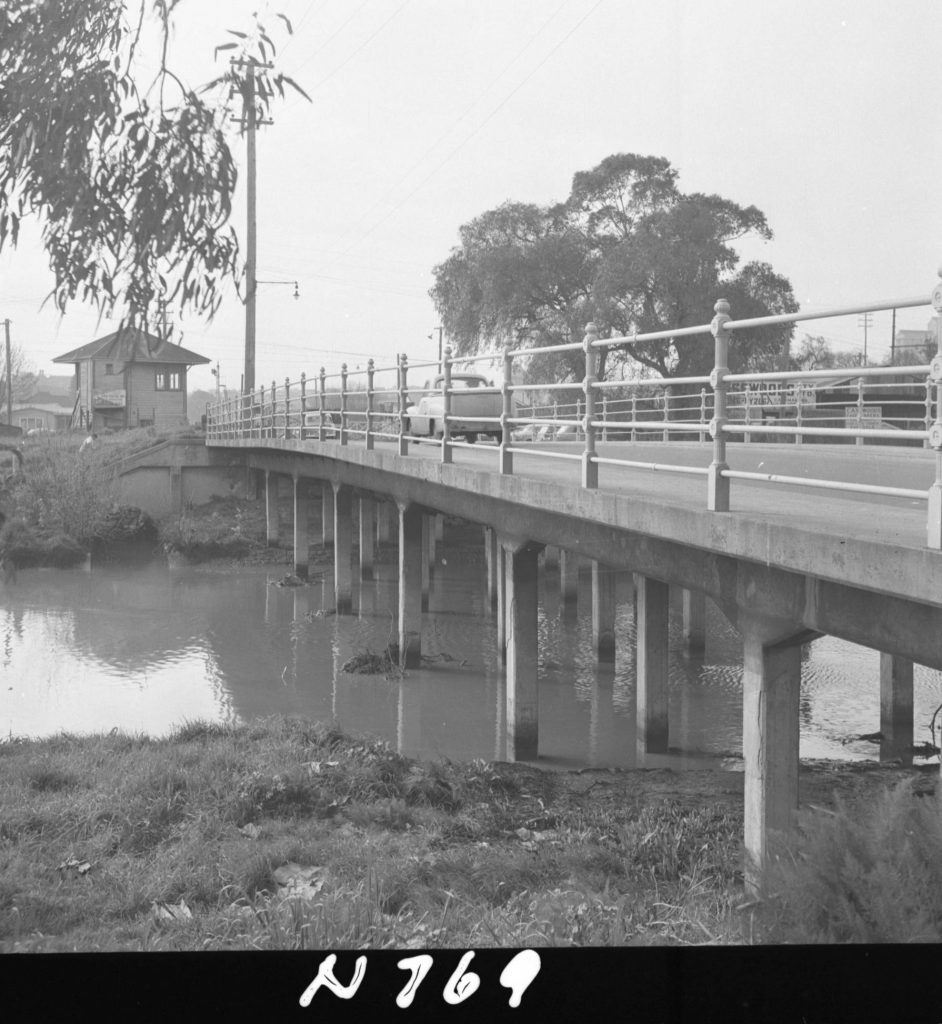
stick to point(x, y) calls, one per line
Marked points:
point(882, 405)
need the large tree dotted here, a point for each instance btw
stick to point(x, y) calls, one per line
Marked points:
point(131, 178)
point(627, 250)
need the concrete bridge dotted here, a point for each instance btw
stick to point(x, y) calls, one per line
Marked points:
point(783, 563)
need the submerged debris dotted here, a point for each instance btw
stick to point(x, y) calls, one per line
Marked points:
point(369, 663)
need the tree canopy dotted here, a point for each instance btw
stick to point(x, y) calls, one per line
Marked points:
point(132, 185)
point(628, 250)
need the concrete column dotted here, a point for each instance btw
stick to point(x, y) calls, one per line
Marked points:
point(384, 523)
point(343, 549)
point(440, 530)
point(603, 611)
point(520, 582)
point(271, 508)
point(432, 541)
point(327, 515)
point(500, 561)
point(568, 577)
point(301, 542)
point(367, 538)
point(694, 621)
point(771, 689)
point(896, 708)
point(653, 608)
point(551, 557)
point(410, 586)
point(491, 547)
point(426, 532)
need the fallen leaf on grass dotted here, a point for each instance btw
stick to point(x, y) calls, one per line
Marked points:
point(295, 880)
point(81, 867)
point(171, 911)
point(250, 830)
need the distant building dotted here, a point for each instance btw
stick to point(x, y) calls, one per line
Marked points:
point(129, 379)
point(917, 346)
point(37, 415)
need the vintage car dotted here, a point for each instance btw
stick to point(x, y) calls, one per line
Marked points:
point(470, 402)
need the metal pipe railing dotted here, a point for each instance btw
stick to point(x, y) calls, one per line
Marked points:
point(862, 404)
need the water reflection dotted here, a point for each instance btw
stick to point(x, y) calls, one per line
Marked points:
point(145, 649)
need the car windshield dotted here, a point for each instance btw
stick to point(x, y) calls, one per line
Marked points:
point(468, 382)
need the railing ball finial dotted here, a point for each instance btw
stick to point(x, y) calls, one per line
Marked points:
point(446, 353)
point(370, 365)
point(722, 307)
point(592, 332)
point(936, 298)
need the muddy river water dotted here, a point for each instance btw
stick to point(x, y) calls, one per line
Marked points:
point(143, 649)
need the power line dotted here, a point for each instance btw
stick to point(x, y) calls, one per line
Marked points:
point(381, 201)
point(471, 134)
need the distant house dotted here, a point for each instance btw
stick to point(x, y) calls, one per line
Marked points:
point(129, 379)
point(38, 415)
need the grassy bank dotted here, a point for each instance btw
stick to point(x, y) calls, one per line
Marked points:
point(289, 835)
point(64, 502)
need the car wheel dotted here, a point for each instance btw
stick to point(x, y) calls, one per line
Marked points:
point(498, 436)
point(471, 437)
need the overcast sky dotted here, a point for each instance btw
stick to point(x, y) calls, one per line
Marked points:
point(823, 113)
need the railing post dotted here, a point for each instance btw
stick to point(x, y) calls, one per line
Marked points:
point(928, 416)
point(798, 417)
point(303, 418)
point(702, 414)
point(274, 402)
point(604, 416)
point(287, 407)
point(506, 412)
point(446, 404)
point(634, 417)
point(717, 484)
point(860, 409)
point(934, 527)
point(747, 404)
point(321, 404)
point(368, 438)
point(403, 400)
point(667, 412)
point(590, 468)
point(343, 403)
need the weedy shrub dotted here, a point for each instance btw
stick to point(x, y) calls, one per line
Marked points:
point(866, 872)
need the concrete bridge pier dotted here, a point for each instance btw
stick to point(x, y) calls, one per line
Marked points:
point(500, 573)
point(896, 708)
point(521, 576)
point(694, 611)
point(428, 541)
point(327, 515)
point(410, 585)
point(652, 606)
point(301, 541)
point(367, 538)
point(432, 529)
point(384, 523)
point(551, 557)
point(271, 508)
point(491, 549)
point(771, 690)
point(603, 611)
point(568, 580)
point(343, 549)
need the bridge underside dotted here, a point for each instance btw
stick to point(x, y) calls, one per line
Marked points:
point(781, 584)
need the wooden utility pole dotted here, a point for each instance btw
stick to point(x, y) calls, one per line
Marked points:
point(251, 119)
point(6, 327)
